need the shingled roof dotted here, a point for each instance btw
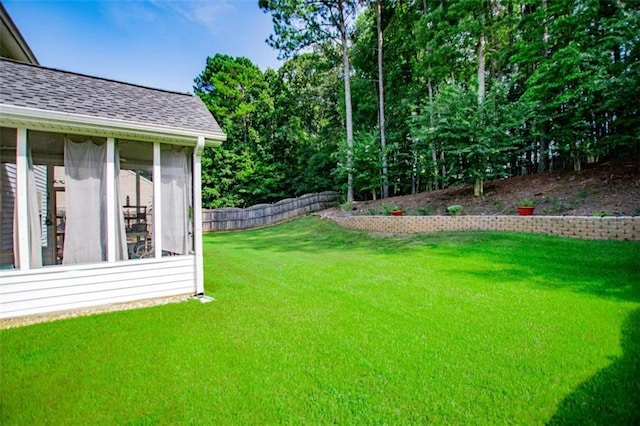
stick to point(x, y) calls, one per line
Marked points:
point(32, 86)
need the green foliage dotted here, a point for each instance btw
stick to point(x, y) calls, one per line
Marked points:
point(422, 211)
point(386, 209)
point(477, 140)
point(241, 172)
point(454, 209)
point(366, 162)
point(347, 207)
point(278, 126)
point(603, 214)
point(526, 202)
point(299, 24)
point(561, 84)
point(451, 328)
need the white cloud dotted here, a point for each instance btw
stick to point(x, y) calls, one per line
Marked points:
point(126, 13)
point(206, 13)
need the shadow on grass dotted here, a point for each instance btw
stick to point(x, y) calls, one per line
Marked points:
point(305, 235)
point(611, 396)
point(604, 269)
point(613, 271)
point(311, 234)
point(607, 269)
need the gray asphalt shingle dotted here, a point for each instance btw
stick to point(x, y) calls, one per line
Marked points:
point(49, 89)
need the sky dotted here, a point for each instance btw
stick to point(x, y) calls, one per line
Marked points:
point(162, 44)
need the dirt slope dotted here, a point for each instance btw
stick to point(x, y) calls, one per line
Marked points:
point(611, 188)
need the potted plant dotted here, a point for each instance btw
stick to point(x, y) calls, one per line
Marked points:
point(397, 211)
point(526, 206)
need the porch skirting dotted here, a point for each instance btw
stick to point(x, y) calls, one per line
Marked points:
point(60, 288)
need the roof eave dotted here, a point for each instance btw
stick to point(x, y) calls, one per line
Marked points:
point(63, 122)
point(13, 40)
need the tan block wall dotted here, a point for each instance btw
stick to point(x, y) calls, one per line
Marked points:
point(597, 228)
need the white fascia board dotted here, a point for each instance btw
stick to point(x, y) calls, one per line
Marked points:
point(38, 119)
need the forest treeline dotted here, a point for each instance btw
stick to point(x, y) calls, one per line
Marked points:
point(437, 93)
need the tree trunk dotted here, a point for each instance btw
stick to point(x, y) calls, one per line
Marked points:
point(478, 187)
point(414, 173)
point(434, 154)
point(577, 163)
point(481, 69)
point(347, 102)
point(543, 154)
point(543, 165)
point(383, 140)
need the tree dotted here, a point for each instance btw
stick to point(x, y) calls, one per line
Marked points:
point(478, 139)
point(383, 139)
point(367, 157)
point(448, 104)
point(304, 122)
point(242, 172)
point(299, 24)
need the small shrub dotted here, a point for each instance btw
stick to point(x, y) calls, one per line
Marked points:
point(454, 209)
point(422, 211)
point(373, 212)
point(526, 202)
point(386, 209)
point(383, 210)
point(603, 214)
point(347, 207)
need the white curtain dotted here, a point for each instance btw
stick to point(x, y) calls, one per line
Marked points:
point(121, 232)
point(85, 237)
point(34, 223)
point(176, 200)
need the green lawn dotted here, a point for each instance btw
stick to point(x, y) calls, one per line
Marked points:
point(315, 324)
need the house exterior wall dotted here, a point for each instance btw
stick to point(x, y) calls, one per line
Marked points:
point(7, 200)
point(40, 176)
point(56, 101)
point(30, 290)
point(61, 288)
point(128, 189)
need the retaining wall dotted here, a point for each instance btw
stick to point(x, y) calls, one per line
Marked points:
point(599, 228)
point(231, 219)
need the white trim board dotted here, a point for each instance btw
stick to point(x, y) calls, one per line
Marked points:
point(62, 122)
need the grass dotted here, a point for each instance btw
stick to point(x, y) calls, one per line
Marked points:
point(315, 324)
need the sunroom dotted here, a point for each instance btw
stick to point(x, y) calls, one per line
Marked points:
point(100, 184)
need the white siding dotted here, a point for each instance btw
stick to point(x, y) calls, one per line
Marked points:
point(128, 188)
point(40, 176)
point(59, 288)
point(7, 200)
point(8, 188)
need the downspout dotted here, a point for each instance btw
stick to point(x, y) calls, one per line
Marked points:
point(197, 219)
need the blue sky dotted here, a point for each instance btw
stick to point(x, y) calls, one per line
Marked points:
point(157, 43)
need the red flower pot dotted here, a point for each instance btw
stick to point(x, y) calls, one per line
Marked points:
point(396, 213)
point(525, 211)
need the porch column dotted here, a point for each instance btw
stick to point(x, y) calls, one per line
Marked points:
point(197, 214)
point(111, 213)
point(157, 202)
point(22, 238)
